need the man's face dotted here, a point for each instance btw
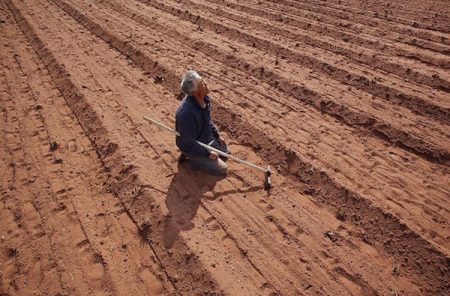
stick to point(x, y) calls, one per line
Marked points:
point(202, 89)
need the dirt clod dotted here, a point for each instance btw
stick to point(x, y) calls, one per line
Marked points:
point(331, 235)
point(158, 79)
point(341, 215)
point(53, 146)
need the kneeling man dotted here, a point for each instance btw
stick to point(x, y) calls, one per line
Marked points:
point(194, 123)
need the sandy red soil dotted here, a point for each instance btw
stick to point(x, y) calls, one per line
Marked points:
point(348, 101)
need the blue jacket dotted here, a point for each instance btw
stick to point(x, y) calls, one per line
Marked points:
point(194, 124)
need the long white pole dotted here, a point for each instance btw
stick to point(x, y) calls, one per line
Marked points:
point(249, 164)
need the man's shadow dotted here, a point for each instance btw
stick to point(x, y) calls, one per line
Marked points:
point(183, 199)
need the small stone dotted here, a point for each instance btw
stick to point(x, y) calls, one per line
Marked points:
point(396, 270)
point(309, 191)
point(340, 215)
point(331, 235)
point(158, 79)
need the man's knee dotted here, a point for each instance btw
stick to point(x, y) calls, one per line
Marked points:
point(215, 167)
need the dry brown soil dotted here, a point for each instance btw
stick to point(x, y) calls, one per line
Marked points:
point(347, 100)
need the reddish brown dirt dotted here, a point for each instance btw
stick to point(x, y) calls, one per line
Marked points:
point(348, 101)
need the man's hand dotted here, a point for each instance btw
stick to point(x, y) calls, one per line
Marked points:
point(221, 141)
point(213, 155)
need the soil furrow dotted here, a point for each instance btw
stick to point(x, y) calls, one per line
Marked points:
point(362, 16)
point(241, 241)
point(400, 245)
point(96, 216)
point(349, 214)
point(16, 255)
point(226, 94)
point(358, 23)
point(141, 207)
point(113, 161)
point(339, 33)
point(348, 35)
point(266, 287)
point(163, 71)
point(346, 115)
point(160, 70)
point(371, 86)
point(30, 207)
point(364, 56)
point(414, 103)
point(429, 10)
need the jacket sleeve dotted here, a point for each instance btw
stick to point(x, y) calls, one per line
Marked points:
point(187, 126)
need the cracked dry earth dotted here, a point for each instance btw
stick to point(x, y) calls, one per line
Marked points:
point(348, 101)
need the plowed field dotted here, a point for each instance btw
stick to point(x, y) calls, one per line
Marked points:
point(348, 101)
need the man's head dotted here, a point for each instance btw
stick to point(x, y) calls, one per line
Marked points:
point(193, 85)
